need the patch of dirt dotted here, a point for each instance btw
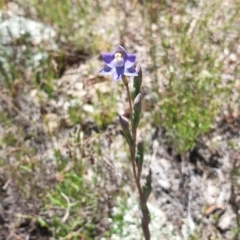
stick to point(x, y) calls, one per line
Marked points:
point(17, 214)
point(201, 184)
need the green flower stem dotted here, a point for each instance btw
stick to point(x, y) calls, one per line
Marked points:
point(132, 148)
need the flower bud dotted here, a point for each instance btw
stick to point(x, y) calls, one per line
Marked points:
point(137, 104)
point(147, 188)
point(125, 129)
point(137, 82)
point(139, 156)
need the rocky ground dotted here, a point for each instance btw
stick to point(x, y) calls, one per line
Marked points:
point(197, 192)
point(198, 188)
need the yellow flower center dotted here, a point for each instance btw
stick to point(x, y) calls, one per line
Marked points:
point(118, 55)
point(119, 62)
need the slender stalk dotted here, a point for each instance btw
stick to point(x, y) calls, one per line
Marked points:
point(132, 148)
point(125, 81)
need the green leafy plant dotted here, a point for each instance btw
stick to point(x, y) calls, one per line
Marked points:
point(72, 196)
point(184, 49)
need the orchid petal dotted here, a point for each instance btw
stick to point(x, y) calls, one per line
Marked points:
point(130, 60)
point(117, 73)
point(108, 58)
point(130, 72)
point(106, 70)
point(120, 49)
point(117, 63)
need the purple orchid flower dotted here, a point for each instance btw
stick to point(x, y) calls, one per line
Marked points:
point(118, 63)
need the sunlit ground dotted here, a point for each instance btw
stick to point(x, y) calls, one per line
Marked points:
point(64, 169)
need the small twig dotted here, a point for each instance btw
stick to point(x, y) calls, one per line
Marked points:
point(24, 216)
point(68, 207)
point(6, 184)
